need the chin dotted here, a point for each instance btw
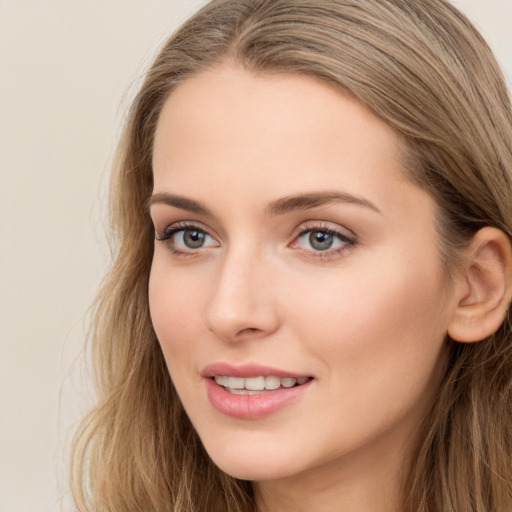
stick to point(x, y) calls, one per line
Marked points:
point(247, 470)
point(255, 464)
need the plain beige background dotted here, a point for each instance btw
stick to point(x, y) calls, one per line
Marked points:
point(68, 69)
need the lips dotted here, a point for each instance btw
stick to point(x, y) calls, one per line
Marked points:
point(247, 370)
point(252, 391)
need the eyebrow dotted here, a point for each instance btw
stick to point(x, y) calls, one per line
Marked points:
point(315, 199)
point(180, 202)
point(279, 207)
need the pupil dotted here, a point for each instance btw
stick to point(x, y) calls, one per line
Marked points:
point(193, 238)
point(320, 240)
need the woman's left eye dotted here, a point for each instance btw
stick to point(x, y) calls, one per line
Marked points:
point(323, 240)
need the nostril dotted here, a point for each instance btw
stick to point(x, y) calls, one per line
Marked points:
point(248, 330)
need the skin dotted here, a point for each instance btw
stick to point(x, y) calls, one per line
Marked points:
point(367, 320)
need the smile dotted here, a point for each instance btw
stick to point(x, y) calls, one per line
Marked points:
point(257, 385)
point(251, 392)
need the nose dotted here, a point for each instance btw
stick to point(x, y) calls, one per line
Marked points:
point(243, 304)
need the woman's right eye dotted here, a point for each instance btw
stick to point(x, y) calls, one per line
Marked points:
point(187, 239)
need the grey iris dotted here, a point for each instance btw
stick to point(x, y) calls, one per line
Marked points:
point(193, 238)
point(320, 240)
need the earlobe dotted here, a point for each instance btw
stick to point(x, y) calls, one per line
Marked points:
point(487, 287)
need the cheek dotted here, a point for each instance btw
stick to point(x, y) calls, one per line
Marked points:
point(379, 298)
point(175, 316)
point(176, 313)
point(378, 332)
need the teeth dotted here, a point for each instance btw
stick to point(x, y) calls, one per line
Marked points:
point(272, 382)
point(221, 380)
point(243, 392)
point(236, 382)
point(288, 382)
point(253, 385)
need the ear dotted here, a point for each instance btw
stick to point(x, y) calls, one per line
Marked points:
point(485, 287)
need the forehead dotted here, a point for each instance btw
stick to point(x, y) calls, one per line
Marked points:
point(265, 134)
point(250, 105)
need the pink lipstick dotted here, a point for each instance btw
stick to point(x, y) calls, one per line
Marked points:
point(252, 391)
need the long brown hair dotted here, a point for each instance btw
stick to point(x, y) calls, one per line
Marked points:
point(422, 68)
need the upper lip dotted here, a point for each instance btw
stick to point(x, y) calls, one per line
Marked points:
point(247, 370)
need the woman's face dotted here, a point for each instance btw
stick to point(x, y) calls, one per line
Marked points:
point(296, 288)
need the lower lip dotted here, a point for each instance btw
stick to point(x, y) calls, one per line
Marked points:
point(249, 407)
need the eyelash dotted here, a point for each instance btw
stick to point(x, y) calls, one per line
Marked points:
point(167, 236)
point(348, 242)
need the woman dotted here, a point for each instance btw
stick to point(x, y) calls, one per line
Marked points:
point(309, 307)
